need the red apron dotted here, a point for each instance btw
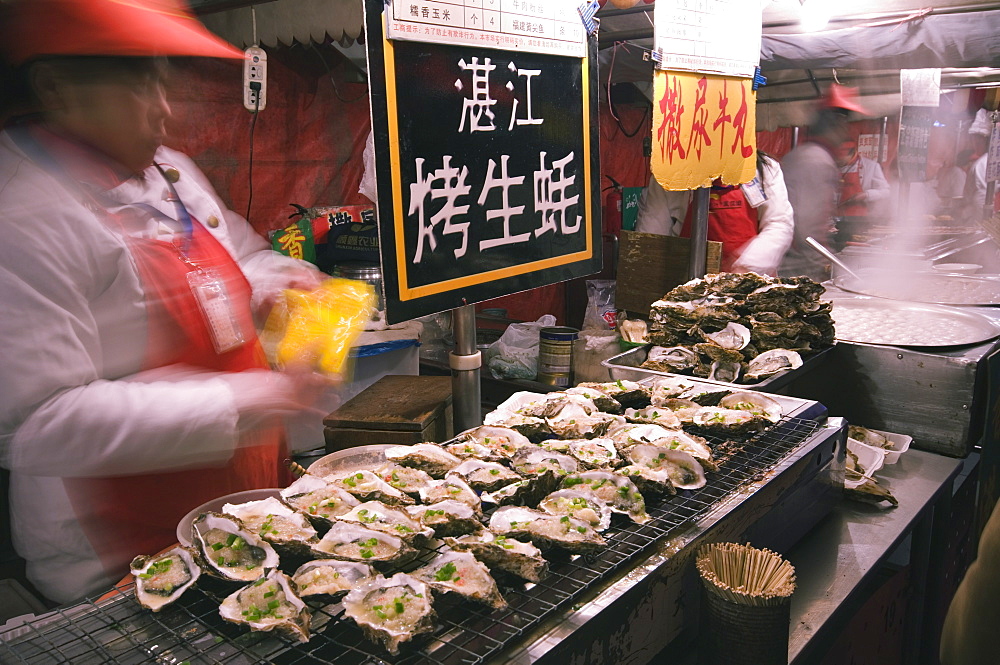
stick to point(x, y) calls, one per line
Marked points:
point(131, 515)
point(850, 186)
point(731, 221)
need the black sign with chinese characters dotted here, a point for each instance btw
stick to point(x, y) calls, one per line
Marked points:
point(487, 164)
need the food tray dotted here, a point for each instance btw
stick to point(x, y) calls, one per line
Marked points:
point(215, 505)
point(625, 367)
point(870, 458)
point(900, 444)
point(869, 320)
point(114, 628)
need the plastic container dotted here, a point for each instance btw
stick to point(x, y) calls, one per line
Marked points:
point(870, 458)
point(900, 444)
point(366, 272)
point(555, 355)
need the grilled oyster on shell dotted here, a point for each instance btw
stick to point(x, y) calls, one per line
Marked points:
point(614, 489)
point(330, 579)
point(654, 415)
point(452, 488)
point(579, 503)
point(695, 446)
point(533, 428)
point(461, 573)
point(317, 499)
point(728, 422)
point(521, 493)
point(471, 449)
point(484, 476)
point(161, 579)
point(270, 603)
point(503, 553)
point(544, 530)
point(226, 549)
point(447, 518)
point(632, 435)
point(754, 402)
point(367, 486)
point(684, 409)
point(288, 530)
point(668, 387)
point(387, 519)
point(391, 611)
point(433, 459)
point(626, 393)
point(595, 453)
point(407, 480)
point(349, 541)
point(681, 469)
point(599, 398)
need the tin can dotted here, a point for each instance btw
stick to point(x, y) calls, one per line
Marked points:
point(555, 355)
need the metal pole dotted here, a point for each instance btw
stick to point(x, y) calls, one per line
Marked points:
point(699, 234)
point(883, 136)
point(465, 362)
point(795, 136)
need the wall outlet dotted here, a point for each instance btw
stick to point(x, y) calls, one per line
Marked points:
point(254, 79)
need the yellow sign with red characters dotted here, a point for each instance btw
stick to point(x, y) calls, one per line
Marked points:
point(704, 127)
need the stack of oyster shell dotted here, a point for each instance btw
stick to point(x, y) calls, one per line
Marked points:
point(547, 472)
point(738, 328)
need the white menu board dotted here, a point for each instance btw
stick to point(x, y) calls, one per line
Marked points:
point(707, 36)
point(553, 27)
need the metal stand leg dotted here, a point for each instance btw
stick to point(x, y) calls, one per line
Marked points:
point(465, 362)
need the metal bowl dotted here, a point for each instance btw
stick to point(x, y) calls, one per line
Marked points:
point(215, 505)
point(350, 459)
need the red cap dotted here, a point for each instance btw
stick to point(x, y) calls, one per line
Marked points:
point(842, 97)
point(140, 28)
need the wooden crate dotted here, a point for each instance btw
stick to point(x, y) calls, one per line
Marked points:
point(649, 265)
point(395, 409)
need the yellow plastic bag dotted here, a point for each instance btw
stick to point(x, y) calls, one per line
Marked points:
point(318, 328)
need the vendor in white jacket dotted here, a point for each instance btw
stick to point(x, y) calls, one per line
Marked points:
point(134, 388)
point(753, 221)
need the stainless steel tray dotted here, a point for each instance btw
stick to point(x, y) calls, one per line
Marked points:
point(924, 287)
point(625, 366)
point(350, 459)
point(870, 320)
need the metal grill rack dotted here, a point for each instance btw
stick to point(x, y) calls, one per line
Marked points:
point(116, 629)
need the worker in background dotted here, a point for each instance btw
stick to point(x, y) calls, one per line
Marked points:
point(950, 186)
point(134, 386)
point(863, 186)
point(812, 176)
point(753, 221)
point(975, 181)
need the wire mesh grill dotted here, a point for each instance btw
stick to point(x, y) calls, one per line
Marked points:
point(116, 629)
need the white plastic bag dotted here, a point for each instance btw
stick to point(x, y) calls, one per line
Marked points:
point(601, 313)
point(515, 354)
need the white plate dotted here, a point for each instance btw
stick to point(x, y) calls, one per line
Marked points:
point(215, 505)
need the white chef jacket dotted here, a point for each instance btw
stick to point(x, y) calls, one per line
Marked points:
point(75, 401)
point(975, 189)
point(663, 212)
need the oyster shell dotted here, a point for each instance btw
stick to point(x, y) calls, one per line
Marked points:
point(349, 541)
point(330, 579)
point(695, 446)
point(544, 530)
point(407, 480)
point(447, 518)
point(734, 336)
point(725, 371)
point(224, 548)
point(616, 490)
point(162, 579)
point(599, 398)
point(755, 403)
point(868, 437)
point(649, 481)
point(579, 503)
point(484, 476)
point(391, 611)
point(728, 422)
point(461, 573)
point(521, 493)
point(632, 435)
point(668, 387)
point(366, 486)
point(394, 521)
point(654, 415)
point(452, 488)
point(433, 459)
point(681, 469)
point(676, 359)
point(595, 453)
point(771, 362)
point(287, 529)
point(626, 393)
point(531, 427)
point(684, 409)
point(317, 499)
point(503, 553)
point(270, 603)
point(582, 426)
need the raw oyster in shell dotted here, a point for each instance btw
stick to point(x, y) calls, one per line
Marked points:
point(447, 518)
point(349, 541)
point(579, 503)
point(681, 469)
point(387, 519)
point(391, 611)
point(269, 604)
point(771, 362)
point(734, 336)
point(317, 499)
point(461, 573)
point(484, 476)
point(226, 549)
point(330, 579)
point(616, 490)
point(545, 531)
point(673, 359)
point(367, 486)
point(433, 459)
point(287, 529)
point(161, 579)
point(407, 480)
point(507, 554)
